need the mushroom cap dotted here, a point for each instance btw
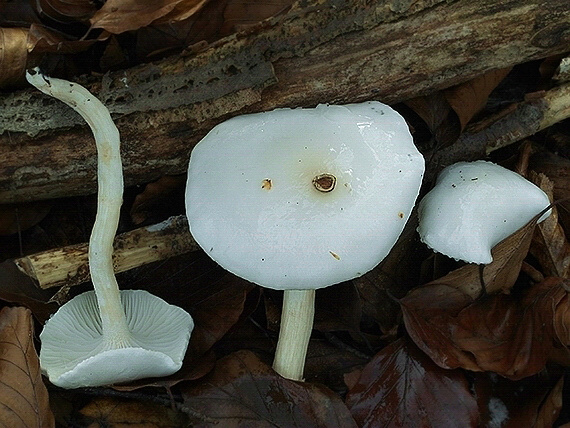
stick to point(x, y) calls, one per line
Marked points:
point(75, 354)
point(253, 203)
point(474, 206)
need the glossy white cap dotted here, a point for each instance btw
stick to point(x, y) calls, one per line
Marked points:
point(253, 207)
point(75, 354)
point(474, 206)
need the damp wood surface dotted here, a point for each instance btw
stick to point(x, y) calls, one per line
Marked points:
point(69, 265)
point(324, 51)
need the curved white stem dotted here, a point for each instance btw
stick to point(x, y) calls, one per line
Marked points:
point(110, 195)
point(296, 325)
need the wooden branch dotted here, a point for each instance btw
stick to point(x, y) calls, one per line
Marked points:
point(539, 111)
point(335, 51)
point(69, 265)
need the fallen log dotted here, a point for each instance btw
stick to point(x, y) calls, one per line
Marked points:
point(335, 51)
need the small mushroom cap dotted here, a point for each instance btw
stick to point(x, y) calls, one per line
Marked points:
point(474, 206)
point(75, 354)
point(303, 198)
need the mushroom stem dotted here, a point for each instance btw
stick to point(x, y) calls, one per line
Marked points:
point(110, 194)
point(294, 334)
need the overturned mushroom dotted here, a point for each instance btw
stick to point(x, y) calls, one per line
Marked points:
point(300, 199)
point(106, 336)
point(474, 206)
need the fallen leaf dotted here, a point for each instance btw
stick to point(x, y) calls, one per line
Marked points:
point(67, 11)
point(549, 244)
point(429, 313)
point(118, 16)
point(440, 119)
point(499, 275)
point(446, 113)
point(329, 360)
point(242, 391)
point(194, 282)
point(18, 14)
point(469, 98)
point(19, 288)
point(562, 315)
point(402, 387)
point(337, 308)
point(157, 196)
point(394, 276)
point(116, 412)
point(217, 309)
point(532, 402)
point(512, 335)
point(550, 407)
point(23, 396)
point(557, 169)
point(15, 218)
point(13, 56)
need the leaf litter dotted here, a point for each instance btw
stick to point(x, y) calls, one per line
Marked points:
point(472, 346)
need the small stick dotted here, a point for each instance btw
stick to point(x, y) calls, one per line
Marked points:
point(68, 266)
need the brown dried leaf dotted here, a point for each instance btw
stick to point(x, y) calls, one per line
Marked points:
point(118, 16)
point(44, 40)
point(470, 97)
point(499, 275)
point(15, 218)
point(67, 11)
point(441, 120)
point(17, 14)
point(532, 402)
point(393, 277)
point(193, 281)
point(337, 308)
point(562, 315)
point(13, 56)
point(429, 313)
point(111, 412)
point(446, 113)
point(329, 361)
point(549, 244)
point(242, 391)
point(19, 288)
point(216, 310)
point(23, 396)
point(549, 407)
point(402, 387)
point(557, 169)
point(157, 194)
point(509, 335)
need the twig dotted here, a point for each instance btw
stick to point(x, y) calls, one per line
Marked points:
point(68, 265)
point(537, 112)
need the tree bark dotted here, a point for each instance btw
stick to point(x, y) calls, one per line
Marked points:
point(321, 51)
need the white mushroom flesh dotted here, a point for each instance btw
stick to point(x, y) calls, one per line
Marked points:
point(303, 198)
point(474, 206)
point(78, 348)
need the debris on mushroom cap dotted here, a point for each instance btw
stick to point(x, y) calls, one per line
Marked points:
point(303, 198)
point(474, 206)
point(75, 353)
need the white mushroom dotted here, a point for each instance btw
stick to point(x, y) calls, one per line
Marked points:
point(300, 199)
point(474, 206)
point(106, 336)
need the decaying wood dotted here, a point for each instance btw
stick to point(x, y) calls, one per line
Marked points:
point(335, 51)
point(69, 265)
point(521, 120)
